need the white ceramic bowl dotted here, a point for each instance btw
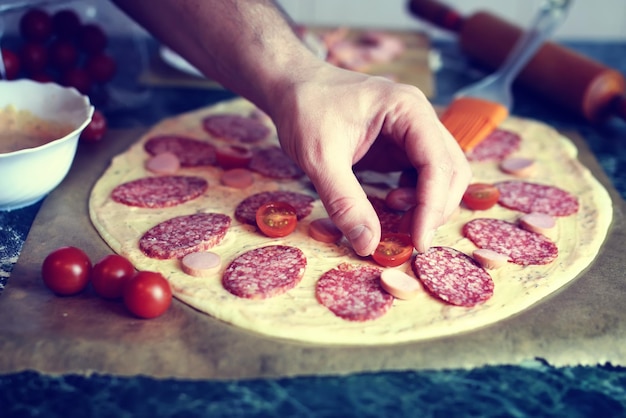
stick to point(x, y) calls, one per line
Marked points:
point(28, 175)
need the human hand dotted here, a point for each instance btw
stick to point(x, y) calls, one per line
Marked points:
point(329, 119)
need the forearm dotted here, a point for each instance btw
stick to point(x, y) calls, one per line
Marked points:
point(246, 45)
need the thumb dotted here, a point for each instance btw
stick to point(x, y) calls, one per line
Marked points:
point(348, 207)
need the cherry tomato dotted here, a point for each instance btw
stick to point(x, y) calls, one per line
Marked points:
point(66, 270)
point(101, 67)
point(481, 196)
point(92, 38)
point(34, 57)
point(276, 219)
point(42, 77)
point(109, 275)
point(233, 156)
point(77, 78)
point(36, 25)
point(96, 129)
point(394, 249)
point(66, 23)
point(63, 54)
point(12, 64)
point(147, 294)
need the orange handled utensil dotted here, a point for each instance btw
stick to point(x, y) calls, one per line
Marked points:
point(479, 108)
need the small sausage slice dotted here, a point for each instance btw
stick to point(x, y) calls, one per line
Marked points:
point(163, 163)
point(518, 166)
point(489, 259)
point(237, 178)
point(201, 263)
point(324, 230)
point(540, 223)
point(399, 284)
point(402, 198)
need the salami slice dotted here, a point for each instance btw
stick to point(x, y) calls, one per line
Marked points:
point(496, 146)
point(184, 234)
point(521, 246)
point(353, 292)
point(159, 192)
point(533, 197)
point(272, 162)
point(389, 218)
point(265, 272)
point(190, 152)
point(246, 210)
point(453, 276)
point(236, 127)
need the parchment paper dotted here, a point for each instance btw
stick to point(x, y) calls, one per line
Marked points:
point(584, 323)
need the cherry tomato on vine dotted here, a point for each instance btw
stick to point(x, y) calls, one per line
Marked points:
point(147, 294)
point(66, 23)
point(109, 275)
point(393, 249)
point(34, 57)
point(66, 270)
point(481, 196)
point(36, 25)
point(63, 54)
point(96, 129)
point(92, 38)
point(12, 64)
point(276, 219)
point(101, 67)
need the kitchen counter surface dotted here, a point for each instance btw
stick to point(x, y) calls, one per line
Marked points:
point(530, 389)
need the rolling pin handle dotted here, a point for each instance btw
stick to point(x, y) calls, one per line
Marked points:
point(437, 13)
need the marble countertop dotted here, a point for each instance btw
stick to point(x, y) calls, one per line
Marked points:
point(530, 389)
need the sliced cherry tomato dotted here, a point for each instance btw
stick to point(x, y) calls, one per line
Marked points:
point(147, 294)
point(66, 23)
point(276, 219)
point(394, 249)
point(233, 156)
point(96, 129)
point(12, 63)
point(109, 275)
point(66, 270)
point(481, 196)
point(36, 25)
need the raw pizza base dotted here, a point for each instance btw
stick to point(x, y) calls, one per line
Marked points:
point(296, 315)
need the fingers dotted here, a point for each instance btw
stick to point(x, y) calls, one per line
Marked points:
point(347, 205)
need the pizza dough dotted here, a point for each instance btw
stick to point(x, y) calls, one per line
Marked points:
point(297, 314)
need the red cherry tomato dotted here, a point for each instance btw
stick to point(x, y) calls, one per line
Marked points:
point(36, 25)
point(233, 156)
point(92, 38)
point(42, 77)
point(77, 78)
point(34, 57)
point(66, 270)
point(65, 23)
point(63, 54)
point(96, 129)
point(110, 274)
point(276, 219)
point(147, 294)
point(481, 196)
point(393, 249)
point(101, 67)
point(12, 63)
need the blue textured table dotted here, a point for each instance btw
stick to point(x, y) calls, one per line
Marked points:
point(530, 389)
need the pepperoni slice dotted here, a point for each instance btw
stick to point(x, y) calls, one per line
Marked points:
point(265, 272)
point(521, 246)
point(190, 152)
point(159, 192)
point(496, 146)
point(533, 197)
point(246, 210)
point(353, 292)
point(184, 234)
point(272, 162)
point(453, 276)
point(235, 127)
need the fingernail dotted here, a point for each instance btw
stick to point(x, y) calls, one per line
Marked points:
point(427, 241)
point(360, 237)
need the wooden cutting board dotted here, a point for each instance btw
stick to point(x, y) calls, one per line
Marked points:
point(411, 67)
point(585, 323)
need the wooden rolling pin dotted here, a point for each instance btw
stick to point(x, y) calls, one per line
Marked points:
point(561, 75)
